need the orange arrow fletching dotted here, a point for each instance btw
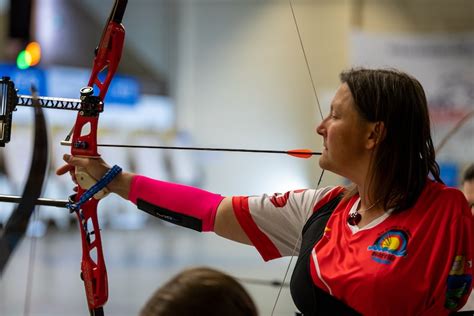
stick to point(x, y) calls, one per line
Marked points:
point(300, 153)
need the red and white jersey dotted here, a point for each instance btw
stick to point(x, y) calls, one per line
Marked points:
point(415, 262)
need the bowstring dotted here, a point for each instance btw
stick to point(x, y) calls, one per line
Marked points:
point(315, 94)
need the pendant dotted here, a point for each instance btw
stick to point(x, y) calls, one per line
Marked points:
point(354, 218)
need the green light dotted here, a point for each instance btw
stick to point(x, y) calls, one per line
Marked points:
point(23, 61)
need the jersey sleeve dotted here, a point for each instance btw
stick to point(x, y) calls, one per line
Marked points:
point(459, 280)
point(455, 282)
point(274, 223)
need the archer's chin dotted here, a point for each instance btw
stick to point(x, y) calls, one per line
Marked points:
point(323, 162)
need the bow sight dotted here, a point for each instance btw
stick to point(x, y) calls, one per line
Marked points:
point(87, 105)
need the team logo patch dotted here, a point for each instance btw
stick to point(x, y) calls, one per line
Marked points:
point(458, 283)
point(280, 200)
point(389, 245)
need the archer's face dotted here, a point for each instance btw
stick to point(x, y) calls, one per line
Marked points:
point(468, 189)
point(344, 134)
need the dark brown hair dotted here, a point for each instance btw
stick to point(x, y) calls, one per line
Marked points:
point(200, 292)
point(405, 156)
point(468, 174)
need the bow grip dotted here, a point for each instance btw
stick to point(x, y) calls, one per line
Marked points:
point(86, 181)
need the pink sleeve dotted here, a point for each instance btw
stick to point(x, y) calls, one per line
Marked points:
point(179, 204)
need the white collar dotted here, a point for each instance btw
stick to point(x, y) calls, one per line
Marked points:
point(372, 224)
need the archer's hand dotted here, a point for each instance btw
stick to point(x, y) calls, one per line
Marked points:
point(95, 167)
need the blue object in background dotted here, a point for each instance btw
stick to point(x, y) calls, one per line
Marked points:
point(23, 79)
point(449, 173)
point(123, 90)
point(65, 82)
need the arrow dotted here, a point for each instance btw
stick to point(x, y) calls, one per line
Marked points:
point(298, 153)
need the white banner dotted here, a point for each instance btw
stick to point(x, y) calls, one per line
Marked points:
point(444, 64)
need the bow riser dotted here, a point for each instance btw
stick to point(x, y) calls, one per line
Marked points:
point(106, 61)
point(84, 143)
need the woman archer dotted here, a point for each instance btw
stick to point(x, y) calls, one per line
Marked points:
point(397, 241)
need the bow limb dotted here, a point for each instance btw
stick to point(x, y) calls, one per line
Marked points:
point(84, 143)
point(305, 56)
point(17, 224)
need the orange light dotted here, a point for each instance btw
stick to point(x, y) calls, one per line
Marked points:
point(34, 49)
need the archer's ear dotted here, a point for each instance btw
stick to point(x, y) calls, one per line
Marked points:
point(377, 134)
